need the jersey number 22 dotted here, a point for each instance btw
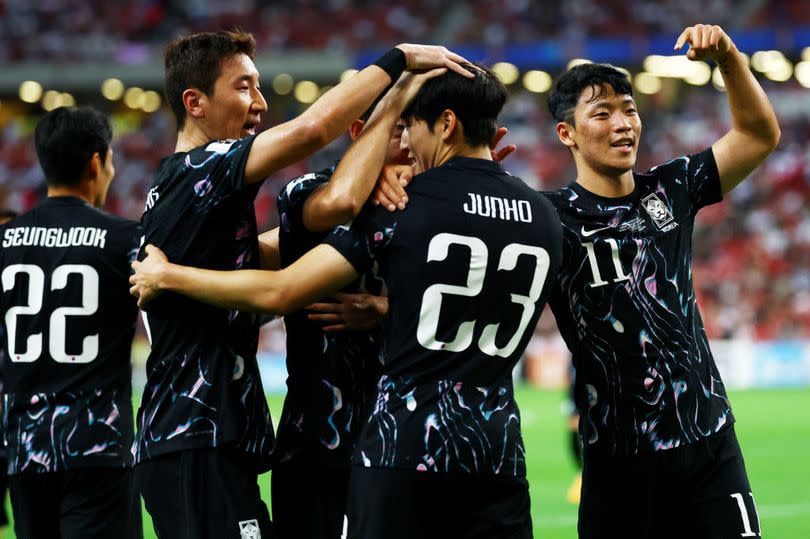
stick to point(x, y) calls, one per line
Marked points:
point(58, 318)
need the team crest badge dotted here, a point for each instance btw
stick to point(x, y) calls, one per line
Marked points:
point(657, 209)
point(249, 529)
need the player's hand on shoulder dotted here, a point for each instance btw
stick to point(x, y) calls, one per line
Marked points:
point(420, 57)
point(499, 155)
point(350, 312)
point(146, 279)
point(390, 189)
point(705, 41)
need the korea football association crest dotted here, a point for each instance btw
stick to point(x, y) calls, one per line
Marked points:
point(658, 211)
point(249, 529)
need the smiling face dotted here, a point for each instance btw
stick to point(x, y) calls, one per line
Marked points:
point(234, 108)
point(605, 131)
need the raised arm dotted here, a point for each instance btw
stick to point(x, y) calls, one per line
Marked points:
point(342, 198)
point(754, 130)
point(319, 272)
point(332, 114)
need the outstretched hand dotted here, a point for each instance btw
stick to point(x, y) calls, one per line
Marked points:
point(146, 279)
point(351, 312)
point(418, 57)
point(705, 41)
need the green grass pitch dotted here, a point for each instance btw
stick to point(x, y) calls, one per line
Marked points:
point(773, 428)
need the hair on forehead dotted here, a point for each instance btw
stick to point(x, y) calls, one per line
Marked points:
point(602, 79)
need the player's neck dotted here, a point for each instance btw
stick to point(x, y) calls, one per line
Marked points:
point(462, 150)
point(606, 185)
point(75, 192)
point(190, 137)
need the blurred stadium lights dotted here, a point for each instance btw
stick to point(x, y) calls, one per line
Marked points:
point(346, 74)
point(780, 72)
point(647, 83)
point(537, 81)
point(150, 102)
point(717, 79)
point(112, 89)
point(507, 72)
point(577, 61)
point(283, 84)
point(806, 54)
point(133, 97)
point(802, 72)
point(678, 67)
point(30, 91)
point(306, 91)
point(53, 99)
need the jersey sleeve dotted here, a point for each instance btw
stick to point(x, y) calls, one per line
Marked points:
point(703, 180)
point(221, 166)
point(294, 195)
point(365, 239)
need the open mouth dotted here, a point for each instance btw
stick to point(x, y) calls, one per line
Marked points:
point(250, 126)
point(624, 145)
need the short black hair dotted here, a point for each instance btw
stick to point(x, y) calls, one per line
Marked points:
point(66, 139)
point(476, 102)
point(563, 98)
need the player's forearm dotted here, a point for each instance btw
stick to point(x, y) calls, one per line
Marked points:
point(245, 290)
point(343, 197)
point(339, 107)
point(751, 111)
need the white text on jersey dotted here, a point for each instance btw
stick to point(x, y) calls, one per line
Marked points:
point(38, 236)
point(499, 208)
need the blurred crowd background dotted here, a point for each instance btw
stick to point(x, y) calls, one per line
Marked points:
point(751, 253)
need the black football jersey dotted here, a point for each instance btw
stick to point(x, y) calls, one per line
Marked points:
point(203, 386)
point(332, 377)
point(69, 322)
point(625, 305)
point(468, 266)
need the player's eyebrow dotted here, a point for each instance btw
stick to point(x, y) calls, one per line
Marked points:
point(247, 77)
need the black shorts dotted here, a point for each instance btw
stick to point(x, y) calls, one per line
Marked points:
point(700, 491)
point(82, 504)
point(204, 494)
point(309, 502)
point(406, 504)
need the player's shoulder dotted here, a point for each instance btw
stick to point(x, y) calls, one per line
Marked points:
point(560, 197)
point(673, 168)
point(306, 182)
point(222, 147)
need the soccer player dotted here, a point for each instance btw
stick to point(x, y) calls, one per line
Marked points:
point(331, 376)
point(69, 325)
point(661, 458)
point(204, 430)
point(5, 217)
point(467, 266)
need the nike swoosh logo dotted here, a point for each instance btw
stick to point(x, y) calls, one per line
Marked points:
point(587, 233)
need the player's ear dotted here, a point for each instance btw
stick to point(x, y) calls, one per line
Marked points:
point(448, 122)
point(94, 166)
point(194, 101)
point(565, 132)
point(356, 128)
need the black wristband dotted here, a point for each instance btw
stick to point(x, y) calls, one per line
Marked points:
point(393, 62)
